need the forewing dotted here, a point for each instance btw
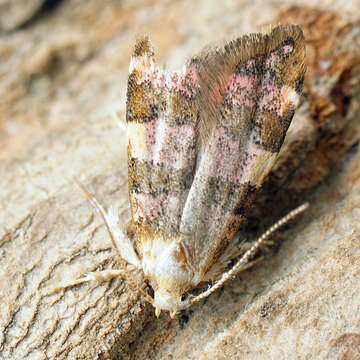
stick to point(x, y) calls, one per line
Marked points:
point(162, 127)
point(249, 92)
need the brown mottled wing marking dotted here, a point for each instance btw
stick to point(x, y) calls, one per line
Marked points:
point(249, 91)
point(162, 126)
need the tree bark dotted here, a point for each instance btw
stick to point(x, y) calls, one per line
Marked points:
point(64, 76)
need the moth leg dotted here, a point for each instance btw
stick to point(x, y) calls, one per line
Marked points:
point(248, 245)
point(250, 264)
point(91, 276)
point(121, 243)
point(231, 253)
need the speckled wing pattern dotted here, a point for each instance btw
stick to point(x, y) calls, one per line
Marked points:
point(202, 140)
point(162, 126)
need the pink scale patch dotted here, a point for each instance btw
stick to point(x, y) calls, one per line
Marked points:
point(246, 89)
point(236, 169)
point(151, 207)
point(241, 89)
point(174, 145)
point(217, 216)
point(287, 49)
point(150, 137)
point(222, 146)
point(270, 99)
point(185, 81)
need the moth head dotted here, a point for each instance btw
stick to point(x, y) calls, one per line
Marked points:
point(166, 300)
point(169, 289)
point(169, 301)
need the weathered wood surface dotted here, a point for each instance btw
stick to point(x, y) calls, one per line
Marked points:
point(61, 79)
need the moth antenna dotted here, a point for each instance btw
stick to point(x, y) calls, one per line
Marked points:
point(102, 212)
point(251, 252)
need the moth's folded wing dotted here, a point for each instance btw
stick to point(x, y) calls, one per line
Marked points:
point(249, 92)
point(162, 126)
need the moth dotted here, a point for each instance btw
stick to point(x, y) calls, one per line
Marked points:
point(201, 141)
